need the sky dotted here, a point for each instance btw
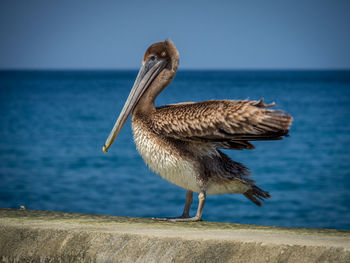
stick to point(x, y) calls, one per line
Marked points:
point(245, 34)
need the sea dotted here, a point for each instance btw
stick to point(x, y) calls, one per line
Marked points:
point(53, 125)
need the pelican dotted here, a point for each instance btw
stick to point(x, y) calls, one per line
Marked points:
point(181, 142)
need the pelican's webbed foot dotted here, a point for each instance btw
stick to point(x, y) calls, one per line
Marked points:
point(172, 219)
point(185, 219)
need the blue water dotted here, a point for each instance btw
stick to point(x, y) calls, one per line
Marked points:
point(53, 125)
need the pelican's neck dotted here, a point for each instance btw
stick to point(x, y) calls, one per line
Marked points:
point(145, 105)
point(146, 102)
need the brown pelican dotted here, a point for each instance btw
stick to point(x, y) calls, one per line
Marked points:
point(181, 142)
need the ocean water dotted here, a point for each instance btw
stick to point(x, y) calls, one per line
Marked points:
point(53, 126)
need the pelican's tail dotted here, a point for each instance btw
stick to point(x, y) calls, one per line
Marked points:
point(256, 194)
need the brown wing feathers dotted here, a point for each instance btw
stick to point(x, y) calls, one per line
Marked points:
point(226, 124)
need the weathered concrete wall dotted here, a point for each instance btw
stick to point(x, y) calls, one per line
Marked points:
point(42, 236)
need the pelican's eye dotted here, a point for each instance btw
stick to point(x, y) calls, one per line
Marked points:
point(153, 57)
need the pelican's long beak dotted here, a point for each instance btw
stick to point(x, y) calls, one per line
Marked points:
point(149, 70)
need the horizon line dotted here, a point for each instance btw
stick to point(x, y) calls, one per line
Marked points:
point(179, 70)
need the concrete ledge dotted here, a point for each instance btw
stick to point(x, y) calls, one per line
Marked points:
point(43, 236)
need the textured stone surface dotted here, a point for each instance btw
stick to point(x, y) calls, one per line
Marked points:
point(43, 236)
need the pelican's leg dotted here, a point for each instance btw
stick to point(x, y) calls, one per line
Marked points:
point(186, 214)
point(198, 217)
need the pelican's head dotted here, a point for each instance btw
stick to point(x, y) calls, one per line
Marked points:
point(160, 58)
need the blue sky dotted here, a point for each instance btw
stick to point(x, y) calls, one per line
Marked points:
point(269, 34)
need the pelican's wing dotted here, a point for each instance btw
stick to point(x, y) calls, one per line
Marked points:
point(224, 123)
